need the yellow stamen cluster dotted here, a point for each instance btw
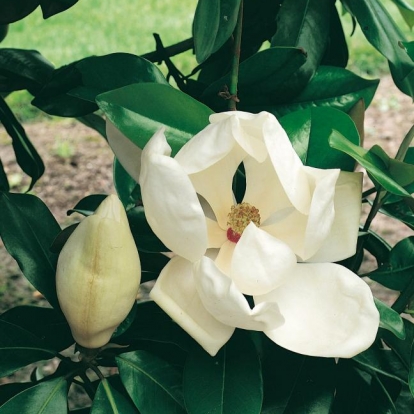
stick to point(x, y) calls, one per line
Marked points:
point(240, 216)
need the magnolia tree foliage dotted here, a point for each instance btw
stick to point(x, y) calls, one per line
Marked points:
point(237, 189)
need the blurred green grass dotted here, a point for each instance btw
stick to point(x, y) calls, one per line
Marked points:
point(96, 27)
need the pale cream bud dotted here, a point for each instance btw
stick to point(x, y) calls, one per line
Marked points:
point(98, 274)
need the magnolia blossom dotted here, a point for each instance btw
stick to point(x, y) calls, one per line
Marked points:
point(264, 263)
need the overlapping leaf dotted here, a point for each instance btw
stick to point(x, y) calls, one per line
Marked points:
point(214, 22)
point(28, 229)
point(233, 380)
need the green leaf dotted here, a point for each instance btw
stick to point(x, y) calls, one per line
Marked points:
point(52, 7)
point(109, 401)
point(126, 187)
point(12, 11)
point(28, 229)
point(214, 23)
point(353, 394)
point(48, 397)
point(380, 361)
point(144, 237)
point(233, 379)
point(304, 24)
point(4, 183)
point(26, 154)
point(153, 384)
point(309, 132)
point(296, 384)
point(400, 211)
point(23, 69)
point(45, 323)
point(398, 271)
point(390, 319)
point(331, 86)
point(383, 33)
point(153, 325)
point(263, 79)
point(72, 89)
point(382, 396)
point(88, 204)
point(9, 390)
point(19, 347)
point(140, 110)
point(336, 53)
point(374, 164)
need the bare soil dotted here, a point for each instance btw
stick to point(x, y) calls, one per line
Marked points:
point(79, 162)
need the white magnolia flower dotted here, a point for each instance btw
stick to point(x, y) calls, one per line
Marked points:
point(276, 246)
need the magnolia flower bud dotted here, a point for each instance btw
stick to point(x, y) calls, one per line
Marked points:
point(98, 274)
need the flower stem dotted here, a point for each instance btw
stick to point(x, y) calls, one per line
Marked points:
point(405, 296)
point(234, 77)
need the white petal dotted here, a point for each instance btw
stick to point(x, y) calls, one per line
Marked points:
point(247, 130)
point(214, 184)
point(128, 154)
point(322, 212)
point(206, 148)
point(329, 311)
point(226, 303)
point(263, 188)
point(176, 294)
point(287, 164)
point(260, 262)
point(171, 205)
point(225, 256)
point(216, 235)
point(342, 239)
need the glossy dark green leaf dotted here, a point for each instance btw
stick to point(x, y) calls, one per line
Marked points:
point(23, 69)
point(140, 110)
point(109, 401)
point(304, 24)
point(153, 325)
point(402, 172)
point(374, 165)
point(20, 347)
point(52, 7)
point(353, 394)
point(72, 89)
point(48, 397)
point(28, 229)
point(401, 211)
point(378, 247)
point(152, 263)
point(336, 53)
point(390, 319)
point(47, 324)
point(233, 380)
point(309, 132)
point(144, 237)
point(380, 361)
point(4, 183)
point(26, 155)
point(214, 22)
point(9, 390)
point(153, 384)
point(263, 78)
point(88, 204)
point(95, 122)
point(13, 11)
point(4, 29)
point(398, 271)
point(382, 396)
point(126, 187)
point(62, 238)
point(296, 384)
point(331, 86)
point(384, 34)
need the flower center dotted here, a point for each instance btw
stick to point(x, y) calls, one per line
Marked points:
point(240, 216)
